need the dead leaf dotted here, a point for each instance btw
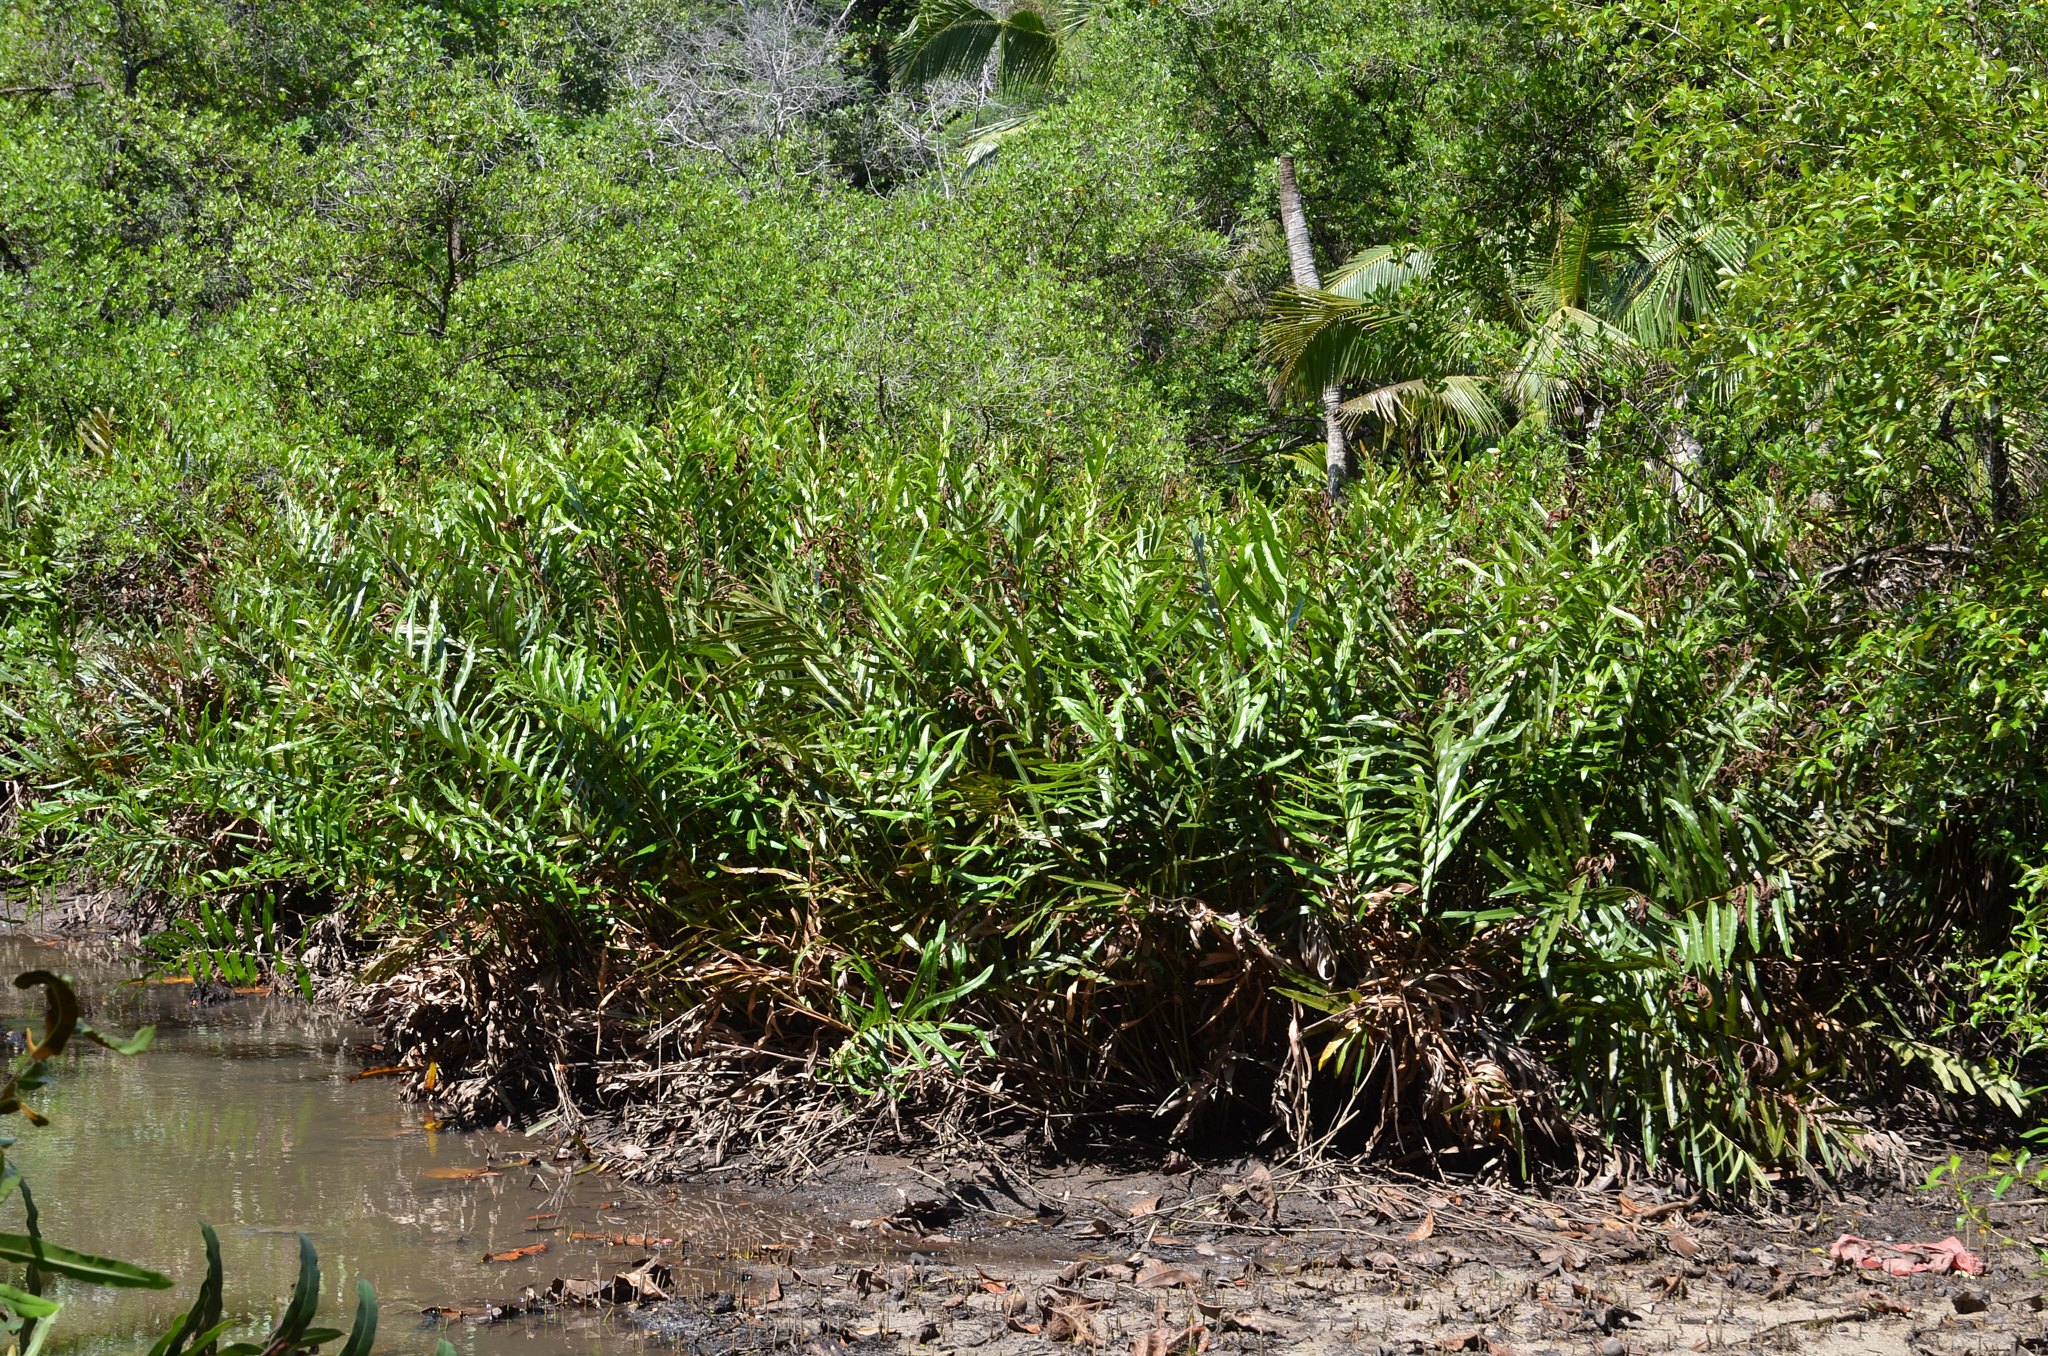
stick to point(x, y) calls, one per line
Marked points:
point(1424, 1229)
point(1072, 1323)
point(532, 1250)
point(1901, 1259)
point(1157, 1275)
point(1685, 1245)
point(574, 1291)
point(389, 1072)
point(1562, 1257)
point(774, 1292)
point(1258, 1187)
point(1156, 1342)
point(1019, 1325)
point(1253, 1321)
point(458, 1174)
point(1459, 1341)
point(1095, 1228)
point(1384, 1261)
point(1140, 1209)
point(646, 1281)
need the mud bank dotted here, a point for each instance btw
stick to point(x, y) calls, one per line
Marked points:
point(995, 1252)
point(982, 1259)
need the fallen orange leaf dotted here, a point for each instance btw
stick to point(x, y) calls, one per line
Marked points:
point(516, 1253)
point(388, 1072)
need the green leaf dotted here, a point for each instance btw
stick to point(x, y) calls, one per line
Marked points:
point(133, 1045)
point(32, 1306)
point(364, 1331)
point(39, 1336)
point(298, 1315)
point(172, 1334)
point(79, 1266)
point(205, 1311)
point(205, 1340)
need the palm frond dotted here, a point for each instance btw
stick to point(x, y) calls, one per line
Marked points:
point(1605, 223)
point(1381, 273)
point(1027, 51)
point(983, 138)
point(1458, 402)
point(946, 38)
point(958, 38)
point(1678, 276)
point(1319, 339)
point(1561, 356)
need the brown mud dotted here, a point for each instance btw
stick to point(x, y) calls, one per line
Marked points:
point(980, 1259)
point(990, 1252)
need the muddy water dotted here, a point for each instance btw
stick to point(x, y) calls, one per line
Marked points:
point(245, 1115)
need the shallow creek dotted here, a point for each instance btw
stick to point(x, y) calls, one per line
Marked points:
point(245, 1115)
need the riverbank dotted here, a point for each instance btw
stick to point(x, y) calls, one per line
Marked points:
point(1246, 1260)
point(566, 1236)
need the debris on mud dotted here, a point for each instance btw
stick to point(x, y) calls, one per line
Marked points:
point(1252, 1260)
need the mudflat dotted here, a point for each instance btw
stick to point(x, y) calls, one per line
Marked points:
point(1247, 1259)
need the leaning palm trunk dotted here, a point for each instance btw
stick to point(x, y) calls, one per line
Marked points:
point(1301, 262)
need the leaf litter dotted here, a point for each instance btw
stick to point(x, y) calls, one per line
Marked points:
point(1338, 1266)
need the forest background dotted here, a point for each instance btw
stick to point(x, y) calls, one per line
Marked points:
point(1450, 577)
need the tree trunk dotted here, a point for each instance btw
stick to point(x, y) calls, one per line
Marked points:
point(1301, 262)
point(1989, 433)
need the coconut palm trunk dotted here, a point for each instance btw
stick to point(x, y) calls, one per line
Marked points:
point(1301, 262)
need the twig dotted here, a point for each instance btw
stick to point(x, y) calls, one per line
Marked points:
point(53, 89)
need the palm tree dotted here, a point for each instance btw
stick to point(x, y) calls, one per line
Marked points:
point(1617, 281)
point(1409, 357)
point(1301, 265)
point(959, 39)
point(1018, 45)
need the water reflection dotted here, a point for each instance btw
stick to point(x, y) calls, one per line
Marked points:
point(244, 1115)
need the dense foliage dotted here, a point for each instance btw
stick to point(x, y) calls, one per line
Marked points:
point(818, 519)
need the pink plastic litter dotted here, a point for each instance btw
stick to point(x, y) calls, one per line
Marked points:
point(1903, 1259)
